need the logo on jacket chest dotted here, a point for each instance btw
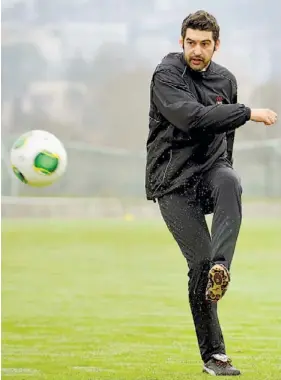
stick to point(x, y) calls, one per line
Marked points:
point(219, 100)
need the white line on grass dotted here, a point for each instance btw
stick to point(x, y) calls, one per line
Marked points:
point(20, 371)
point(92, 369)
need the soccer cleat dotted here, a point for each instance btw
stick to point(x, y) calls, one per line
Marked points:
point(218, 280)
point(220, 365)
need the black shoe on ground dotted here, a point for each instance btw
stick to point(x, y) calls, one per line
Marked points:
point(220, 365)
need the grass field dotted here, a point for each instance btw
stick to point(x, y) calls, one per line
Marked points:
point(108, 300)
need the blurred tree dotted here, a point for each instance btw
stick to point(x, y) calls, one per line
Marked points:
point(112, 84)
point(77, 69)
point(22, 64)
point(110, 59)
point(125, 101)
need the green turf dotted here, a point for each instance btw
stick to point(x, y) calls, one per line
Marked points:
point(108, 300)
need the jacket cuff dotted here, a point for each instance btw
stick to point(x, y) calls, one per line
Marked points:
point(248, 113)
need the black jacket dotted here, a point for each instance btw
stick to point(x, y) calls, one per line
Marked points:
point(192, 119)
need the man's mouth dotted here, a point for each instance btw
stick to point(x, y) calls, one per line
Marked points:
point(196, 61)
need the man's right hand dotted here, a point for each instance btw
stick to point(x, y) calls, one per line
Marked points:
point(265, 116)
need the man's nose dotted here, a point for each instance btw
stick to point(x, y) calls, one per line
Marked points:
point(197, 50)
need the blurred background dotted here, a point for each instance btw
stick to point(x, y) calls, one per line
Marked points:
point(87, 297)
point(81, 69)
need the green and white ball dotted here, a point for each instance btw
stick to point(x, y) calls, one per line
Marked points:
point(38, 158)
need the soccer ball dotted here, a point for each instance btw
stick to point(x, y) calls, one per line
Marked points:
point(38, 158)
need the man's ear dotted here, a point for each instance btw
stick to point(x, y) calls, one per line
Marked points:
point(217, 45)
point(181, 42)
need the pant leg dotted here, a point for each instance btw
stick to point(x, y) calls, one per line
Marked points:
point(223, 185)
point(185, 220)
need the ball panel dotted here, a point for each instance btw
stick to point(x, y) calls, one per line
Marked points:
point(46, 162)
point(19, 175)
point(21, 141)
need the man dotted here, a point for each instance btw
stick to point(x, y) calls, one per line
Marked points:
point(192, 120)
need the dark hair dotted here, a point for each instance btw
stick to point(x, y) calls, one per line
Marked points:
point(201, 20)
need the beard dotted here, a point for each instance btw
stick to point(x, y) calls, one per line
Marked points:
point(198, 63)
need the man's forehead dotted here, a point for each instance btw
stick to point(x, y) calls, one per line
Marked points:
point(198, 35)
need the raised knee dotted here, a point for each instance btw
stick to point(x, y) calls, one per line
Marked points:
point(229, 182)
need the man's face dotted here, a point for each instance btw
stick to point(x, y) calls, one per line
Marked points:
point(199, 47)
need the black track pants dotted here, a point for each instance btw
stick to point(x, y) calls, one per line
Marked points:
point(184, 213)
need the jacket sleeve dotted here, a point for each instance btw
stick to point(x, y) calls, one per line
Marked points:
point(176, 102)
